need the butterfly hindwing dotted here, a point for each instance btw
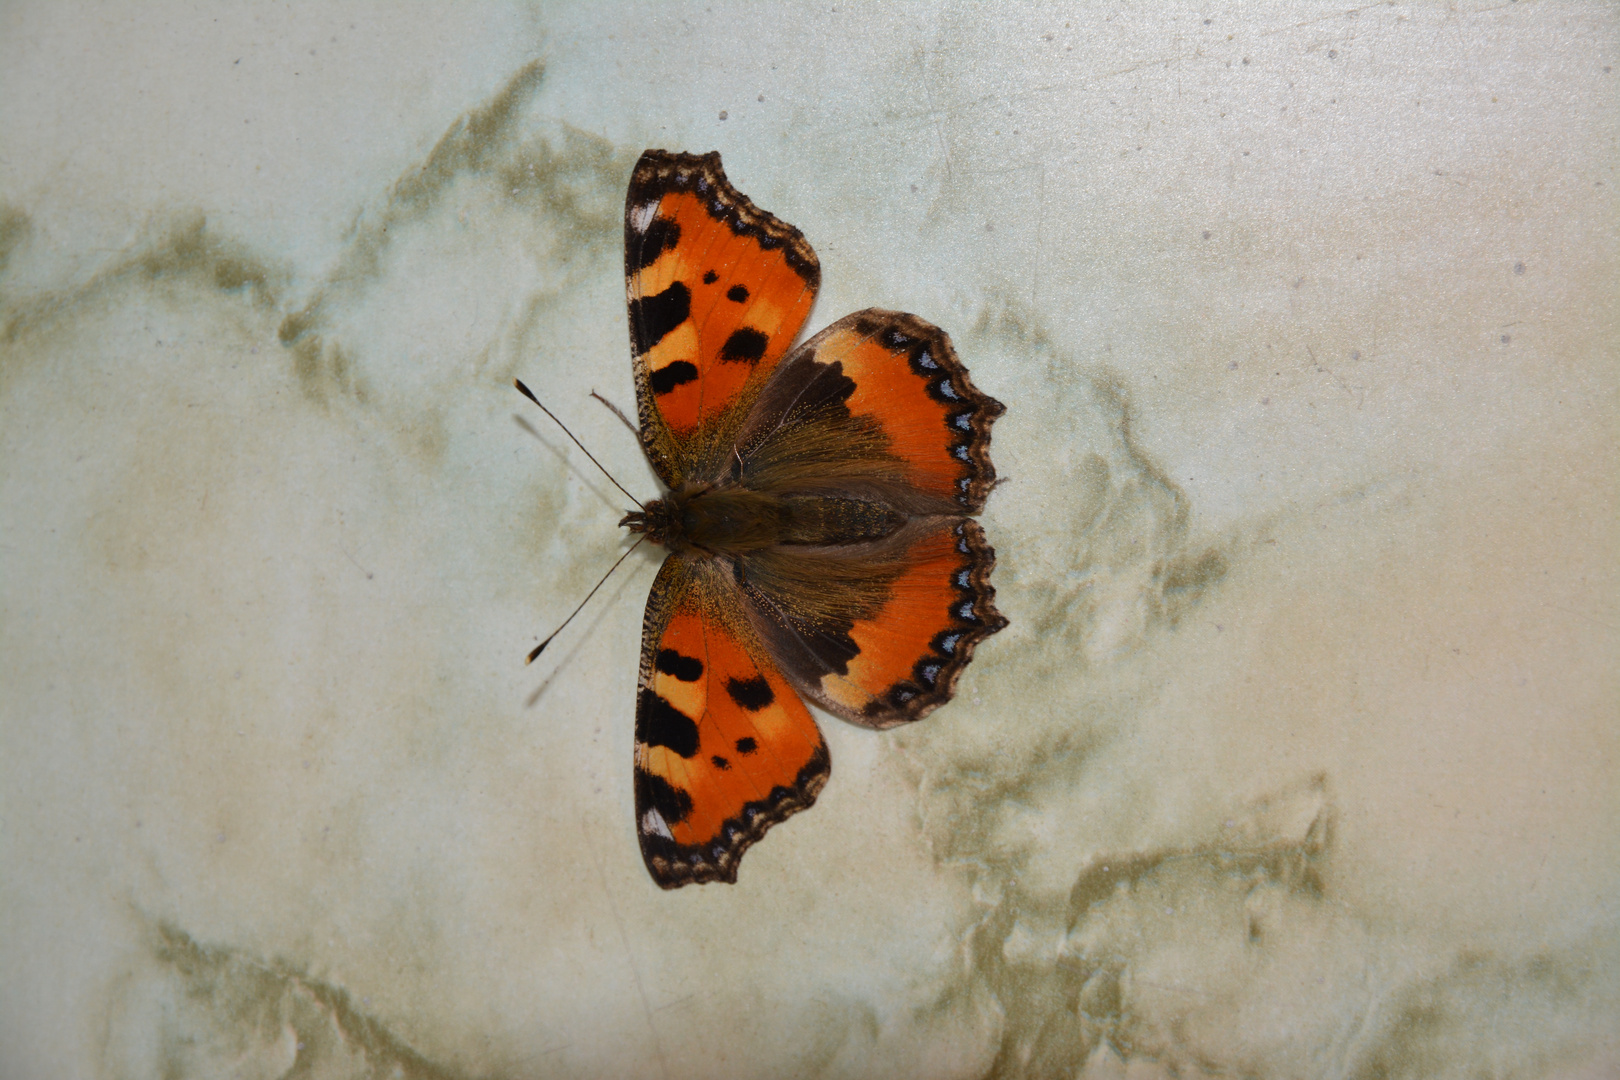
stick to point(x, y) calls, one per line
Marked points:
point(725, 748)
point(878, 401)
point(718, 290)
point(878, 633)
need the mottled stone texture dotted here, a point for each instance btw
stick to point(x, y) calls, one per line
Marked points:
point(1298, 758)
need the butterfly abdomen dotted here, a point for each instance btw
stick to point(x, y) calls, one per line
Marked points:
point(735, 521)
point(819, 519)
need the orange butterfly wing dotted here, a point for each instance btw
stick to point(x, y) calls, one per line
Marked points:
point(909, 383)
point(878, 633)
point(717, 289)
point(724, 747)
point(911, 650)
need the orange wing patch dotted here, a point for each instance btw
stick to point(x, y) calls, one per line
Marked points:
point(911, 650)
point(908, 379)
point(874, 635)
point(724, 746)
point(718, 289)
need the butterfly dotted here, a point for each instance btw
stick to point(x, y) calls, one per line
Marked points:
point(818, 519)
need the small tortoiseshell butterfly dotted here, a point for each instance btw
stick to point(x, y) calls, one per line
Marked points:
point(818, 520)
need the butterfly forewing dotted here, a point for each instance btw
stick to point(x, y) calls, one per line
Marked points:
point(724, 747)
point(718, 290)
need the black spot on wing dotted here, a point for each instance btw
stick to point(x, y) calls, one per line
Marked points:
point(670, 662)
point(710, 277)
point(829, 390)
point(671, 375)
point(652, 317)
point(658, 723)
point(737, 293)
point(745, 346)
point(656, 793)
point(752, 694)
point(642, 251)
point(720, 763)
point(746, 745)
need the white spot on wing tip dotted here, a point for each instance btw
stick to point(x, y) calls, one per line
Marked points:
point(641, 217)
point(653, 822)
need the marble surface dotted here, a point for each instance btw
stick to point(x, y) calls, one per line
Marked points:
point(1297, 759)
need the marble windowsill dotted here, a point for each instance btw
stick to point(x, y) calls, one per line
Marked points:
point(1297, 759)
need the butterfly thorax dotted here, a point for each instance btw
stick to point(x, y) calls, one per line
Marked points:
point(734, 520)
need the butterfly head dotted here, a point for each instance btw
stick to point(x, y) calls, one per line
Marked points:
point(661, 520)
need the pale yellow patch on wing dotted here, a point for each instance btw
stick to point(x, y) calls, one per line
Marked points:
point(690, 698)
point(680, 343)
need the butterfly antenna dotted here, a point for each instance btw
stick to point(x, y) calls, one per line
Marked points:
point(524, 390)
point(616, 412)
point(540, 648)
